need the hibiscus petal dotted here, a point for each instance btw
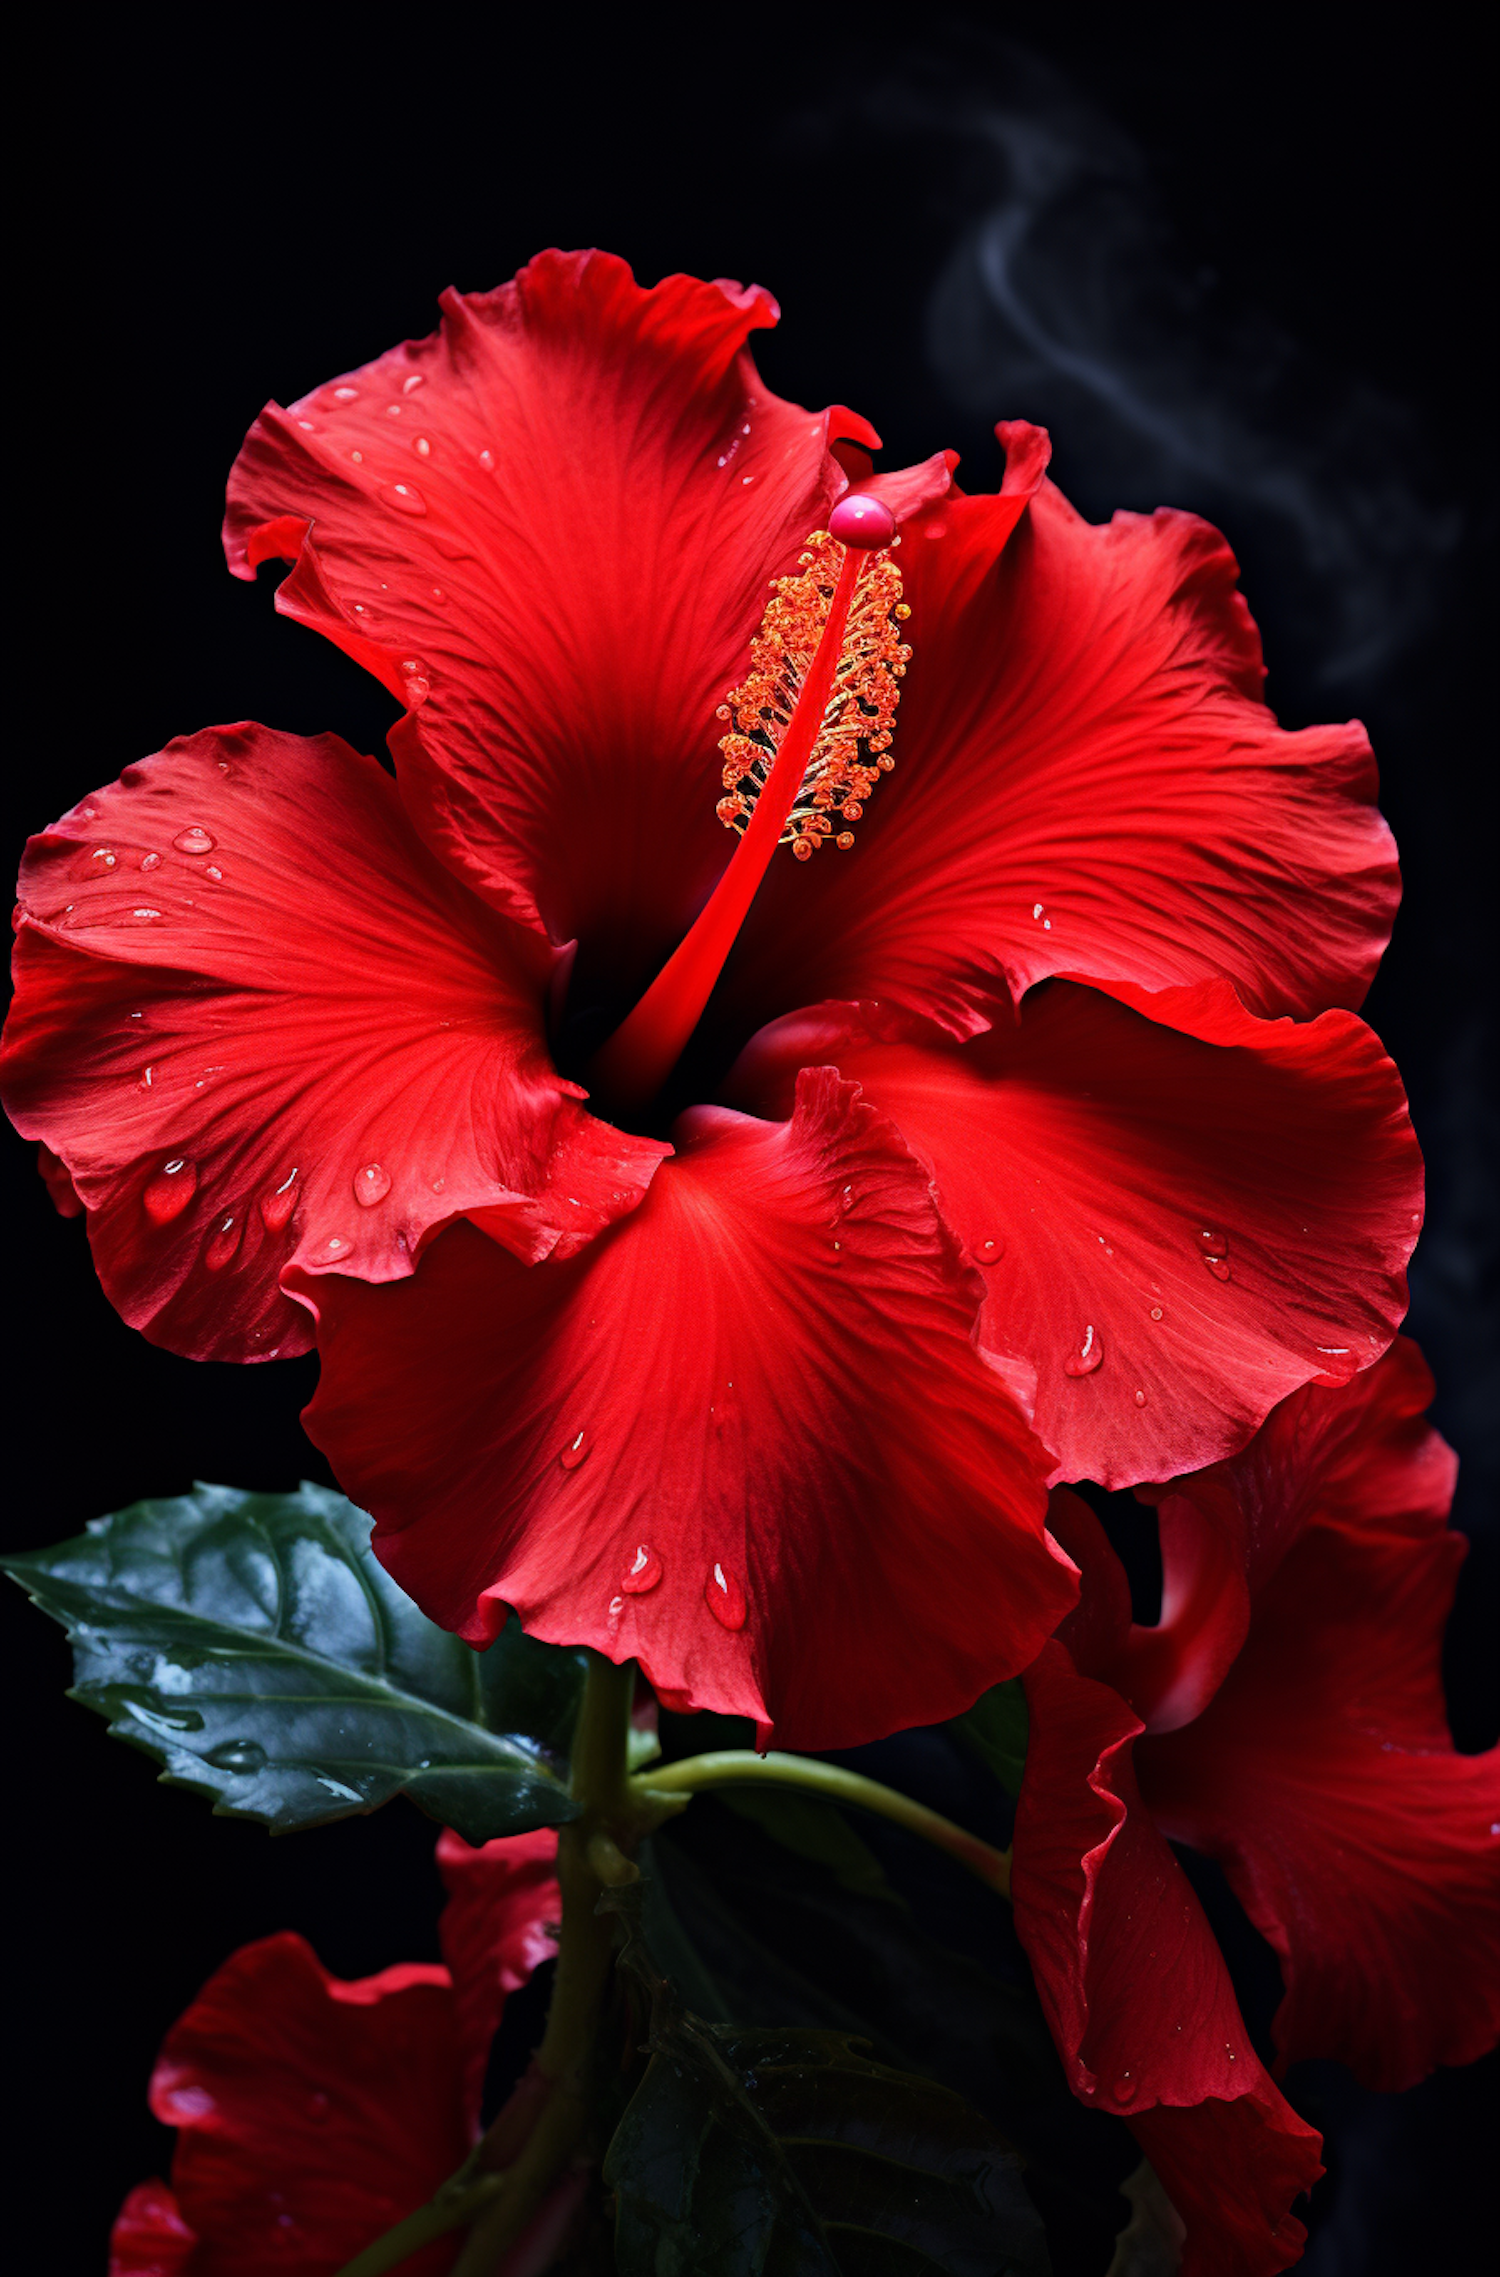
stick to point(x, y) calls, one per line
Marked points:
point(312, 2113)
point(1136, 1991)
point(1355, 1454)
point(150, 2237)
point(499, 1925)
point(240, 960)
point(746, 1439)
point(1180, 1222)
point(1088, 782)
point(548, 528)
point(1322, 1774)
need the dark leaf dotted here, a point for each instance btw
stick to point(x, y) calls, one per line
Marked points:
point(996, 1728)
point(255, 1647)
point(789, 2153)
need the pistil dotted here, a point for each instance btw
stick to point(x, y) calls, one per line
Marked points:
point(828, 719)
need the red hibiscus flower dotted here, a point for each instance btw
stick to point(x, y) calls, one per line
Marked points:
point(311, 2113)
point(300, 1032)
point(1286, 1716)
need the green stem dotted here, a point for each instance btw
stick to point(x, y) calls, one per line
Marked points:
point(738, 1767)
point(591, 1855)
point(445, 2212)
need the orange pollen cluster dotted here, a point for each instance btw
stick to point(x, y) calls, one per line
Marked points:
point(851, 749)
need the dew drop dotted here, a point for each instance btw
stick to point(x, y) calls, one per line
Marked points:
point(1086, 1359)
point(421, 446)
point(223, 1243)
point(103, 858)
point(371, 1185)
point(1140, 1399)
point(412, 381)
point(1215, 1243)
point(1218, 1266)
point(277, 1205)
point(1156, 1312)
point(216, 874)
point(616, 1607)
point(642, 1573)
point(726, 1599)
point(345, 394)
point(237, 1755)
point(576, 1451)
point(145, 914)
point(168, 1194)
point(487, 461)
point(151, 861)
point(195, 840)
point(148, 1077)
point(335, 1245)
point(404, 496)
point(1124, 2088)
point(988, 1252)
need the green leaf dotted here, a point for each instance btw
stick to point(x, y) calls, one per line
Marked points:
point(814, 1829)
point(253, 1645)
point(996, 1727)
point(788, 2153)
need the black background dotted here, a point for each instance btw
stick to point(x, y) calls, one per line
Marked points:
point(1261, 227)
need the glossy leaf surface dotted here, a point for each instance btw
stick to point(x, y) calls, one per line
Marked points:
point(789, 2153)
point(254, 1646)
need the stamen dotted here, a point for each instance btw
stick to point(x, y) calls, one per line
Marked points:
point(813, 722)
point(849, 753)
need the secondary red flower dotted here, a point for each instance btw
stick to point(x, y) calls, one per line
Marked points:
point(1286, 1716)
point(312, 2113)
point(294, 1030)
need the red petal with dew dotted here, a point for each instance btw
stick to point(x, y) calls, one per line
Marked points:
point(1181, 1218)
point(1136, 1991)
point(150, 2237)
point(241, 960)
point(499, 1925)
point(1322, 1773)
point(746, 1439)
point(312, 2113)
point(548, 528)
point(1087, 781)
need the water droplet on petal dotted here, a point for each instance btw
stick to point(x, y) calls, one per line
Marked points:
point(1124, 2088)
point(421, 446)
point(145, 914)
point(277, 1205)
point(216, 874)
point(195, 840)
point(487, 461)
point(988, 1252)
point(1140, 1399)
point(412, 380)
point(345, 394)
point(237, 1755)
point(223, 1243)
point(1216, 1243)
point(168, 1194)
point(726, 1599)
point(576, 1451)
point(1218, 1266)
point(404, 496)
point(1086, 1359)
point(1156, 1312)
point(371, 1185)
point(103, 858)
point(151, 861)
point(335, 1245)
point(642, 1573)
point(148, 1077)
